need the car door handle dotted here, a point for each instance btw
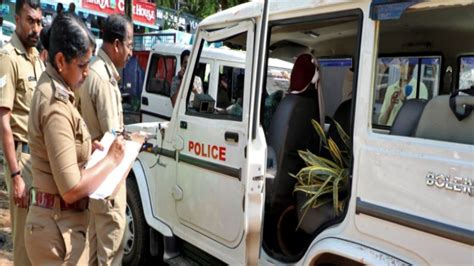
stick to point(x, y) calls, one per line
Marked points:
point(232, 136)
point(145, 101)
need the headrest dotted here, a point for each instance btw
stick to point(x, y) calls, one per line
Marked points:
point(305, 72)
point(439, 122)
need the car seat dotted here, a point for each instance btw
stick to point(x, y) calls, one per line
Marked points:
point(291, 130)
point(343, 117)
point(448, 118)
point(407, 118)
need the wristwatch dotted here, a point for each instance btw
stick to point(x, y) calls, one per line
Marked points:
point(15, 174)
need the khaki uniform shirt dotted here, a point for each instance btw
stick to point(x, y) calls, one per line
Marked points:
point(101, 100)
point(19, 73)
point(59, 140)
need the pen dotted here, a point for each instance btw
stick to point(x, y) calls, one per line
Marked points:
point(123, 132)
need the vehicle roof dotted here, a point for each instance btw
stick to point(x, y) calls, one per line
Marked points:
point(279, 8)
point(223, 54)
point(254, 9)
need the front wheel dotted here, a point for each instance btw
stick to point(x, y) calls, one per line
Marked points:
point(136, 241)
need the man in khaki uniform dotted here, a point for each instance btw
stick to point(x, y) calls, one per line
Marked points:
point(101, 108)
point(20, 69)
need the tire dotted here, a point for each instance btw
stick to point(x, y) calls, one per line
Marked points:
point(137, 232)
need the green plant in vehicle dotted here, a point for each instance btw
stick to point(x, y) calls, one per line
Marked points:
point(325, 180)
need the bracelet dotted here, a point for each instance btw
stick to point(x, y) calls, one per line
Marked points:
point(15, 174)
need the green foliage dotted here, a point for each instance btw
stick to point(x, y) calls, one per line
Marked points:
point(199, 8)
point(324, 180)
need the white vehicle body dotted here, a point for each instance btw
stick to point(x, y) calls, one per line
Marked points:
point(204, 183)
point(156, 104)
point(6, 32)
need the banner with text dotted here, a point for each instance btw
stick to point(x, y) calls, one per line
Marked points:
point(144, 12)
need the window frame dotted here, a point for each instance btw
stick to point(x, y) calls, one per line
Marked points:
point(377, 128)
point(155, 57)
point(219, 35)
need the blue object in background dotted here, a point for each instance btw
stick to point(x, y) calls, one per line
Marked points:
point(408, 89)
point(133, 75)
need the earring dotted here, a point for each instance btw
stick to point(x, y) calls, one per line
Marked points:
point(60, 70)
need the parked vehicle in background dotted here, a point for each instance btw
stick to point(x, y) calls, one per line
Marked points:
point(216, 63)
point(217, 188)
point(6, 32)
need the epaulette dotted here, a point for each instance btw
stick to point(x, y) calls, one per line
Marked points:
point(61, 93)
point(6, 49)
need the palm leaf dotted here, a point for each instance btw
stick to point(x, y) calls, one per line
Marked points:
point(344, 136)
point(312, 159)
point(335, 152)
point(319, 131)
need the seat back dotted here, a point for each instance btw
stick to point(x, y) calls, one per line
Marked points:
point(343, 117)
point(439, 122)
point(406, 121)
point(291, 130)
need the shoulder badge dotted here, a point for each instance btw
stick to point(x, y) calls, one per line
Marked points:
point(61, 94)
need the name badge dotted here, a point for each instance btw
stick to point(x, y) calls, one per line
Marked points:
point(31, 78)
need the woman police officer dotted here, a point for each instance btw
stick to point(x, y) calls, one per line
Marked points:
point(60, 144)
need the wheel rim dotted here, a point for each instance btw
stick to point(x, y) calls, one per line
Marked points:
point(128, 239)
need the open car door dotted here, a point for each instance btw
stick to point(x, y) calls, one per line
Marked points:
point(221, 151)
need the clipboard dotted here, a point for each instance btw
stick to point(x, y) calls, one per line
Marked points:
point(110, 185)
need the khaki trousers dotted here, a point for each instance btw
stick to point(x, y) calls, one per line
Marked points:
point(55, 237)
point(107, 228)
point(18, 215)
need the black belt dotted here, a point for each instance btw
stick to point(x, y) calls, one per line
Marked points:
point(25, 148)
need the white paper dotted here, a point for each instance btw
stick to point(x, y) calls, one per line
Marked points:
point(113, 179)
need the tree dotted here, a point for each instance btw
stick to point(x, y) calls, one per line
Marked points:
point(129, 9)
point(199, 8)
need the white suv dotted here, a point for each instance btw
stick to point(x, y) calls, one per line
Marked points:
point(215, 188)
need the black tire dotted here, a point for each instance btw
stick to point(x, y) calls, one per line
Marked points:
point(137, 231)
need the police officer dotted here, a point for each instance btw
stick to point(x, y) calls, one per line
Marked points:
point(57, 221)
point(101, 107)
point(20, 68)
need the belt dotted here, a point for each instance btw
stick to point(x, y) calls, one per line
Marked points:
point(46, 200)
point(25, 148)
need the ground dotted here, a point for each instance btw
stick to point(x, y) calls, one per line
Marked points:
point(6, 257)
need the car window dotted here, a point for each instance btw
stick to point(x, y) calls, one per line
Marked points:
point(160, 74)
point(400, 78)
point(223, 97)
point(414, 80)
point(466, 72)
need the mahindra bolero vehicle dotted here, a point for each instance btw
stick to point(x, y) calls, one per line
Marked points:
point(366, 157)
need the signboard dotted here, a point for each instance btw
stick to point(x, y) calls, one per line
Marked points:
point(144, 12)
point(167, 16)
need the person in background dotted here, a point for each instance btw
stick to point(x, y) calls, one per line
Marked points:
point(20, 69)
point(101, 107)
point(223, 100)
point(72, 8)
point(43, 44)
point(57, 221)
point(176, 82)
point(397, 93)
point(236, 108)
point(59, 10)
